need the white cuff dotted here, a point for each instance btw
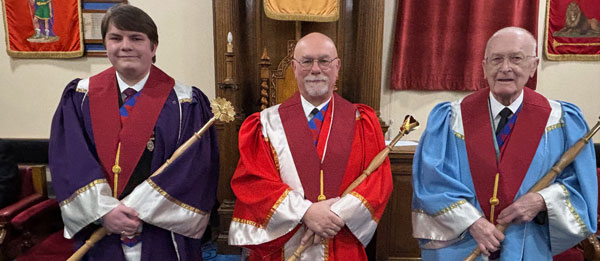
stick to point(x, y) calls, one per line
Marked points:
point(565, 225)
point(158, 208)
point(358, 216)
point(86, 205)
point(285, 216)
point(445, 225)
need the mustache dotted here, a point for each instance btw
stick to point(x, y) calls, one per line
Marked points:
point(315, 78)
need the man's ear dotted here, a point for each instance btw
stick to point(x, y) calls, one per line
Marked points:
point(534, 66)
point(483, 67)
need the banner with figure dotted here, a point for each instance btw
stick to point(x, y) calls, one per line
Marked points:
point(43, 28)
point(572, 30)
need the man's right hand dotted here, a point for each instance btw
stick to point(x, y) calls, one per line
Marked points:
point(321, 220)
point(121, 220)
point(486, 235)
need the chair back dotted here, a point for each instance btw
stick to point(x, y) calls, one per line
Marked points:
point(280, 84)
point(33, 180)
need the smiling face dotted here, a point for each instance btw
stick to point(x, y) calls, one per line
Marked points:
point(507, 76)
point(130, 52)
point(316, 84)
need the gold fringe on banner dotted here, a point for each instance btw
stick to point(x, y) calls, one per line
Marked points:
point(305, 10)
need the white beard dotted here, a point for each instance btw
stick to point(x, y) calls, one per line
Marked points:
point(318, 89)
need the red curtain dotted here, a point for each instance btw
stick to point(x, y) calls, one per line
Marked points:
point(440, 44)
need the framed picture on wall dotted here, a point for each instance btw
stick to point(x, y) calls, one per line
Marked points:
point(92, 14)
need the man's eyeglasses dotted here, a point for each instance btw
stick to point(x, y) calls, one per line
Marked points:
point(515, 58)
point(307, 64)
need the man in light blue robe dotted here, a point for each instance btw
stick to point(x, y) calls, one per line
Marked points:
point(475, 164)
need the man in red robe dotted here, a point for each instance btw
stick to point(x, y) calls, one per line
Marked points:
point(296, 158)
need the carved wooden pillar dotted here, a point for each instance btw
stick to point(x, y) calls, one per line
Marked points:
point(226, 20)
point(265, 63)
point(369, 44)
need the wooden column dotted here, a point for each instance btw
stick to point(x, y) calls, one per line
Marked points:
point(225, 21)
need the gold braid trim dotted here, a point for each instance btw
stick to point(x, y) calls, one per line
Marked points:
point(268, 217)
point(172, 199)
point(367, 205)
point(573, 212)
point(185, 100)
point(247, 222)
point(326, 244)
point(275, 206)
point(444, 210)
point(460, 136)
point(81, 90)
point(81, 190)
point(273, 153)
point(555, 126)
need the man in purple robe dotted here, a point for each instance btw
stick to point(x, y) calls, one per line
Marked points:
point(112, 131)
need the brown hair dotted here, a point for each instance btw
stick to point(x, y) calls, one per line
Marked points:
point(130, 18)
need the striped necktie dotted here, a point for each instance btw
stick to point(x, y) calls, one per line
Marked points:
point(130, 99)
point(315, 123)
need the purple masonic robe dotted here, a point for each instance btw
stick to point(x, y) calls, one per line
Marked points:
point(175, 205)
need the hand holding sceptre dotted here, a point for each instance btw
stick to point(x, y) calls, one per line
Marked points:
point(408, 125)
point(222, 111)
point(545, 181)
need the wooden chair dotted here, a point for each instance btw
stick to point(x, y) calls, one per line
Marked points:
point(32, 218)
point(280, 84)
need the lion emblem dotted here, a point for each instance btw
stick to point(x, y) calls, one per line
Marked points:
point(577, 24)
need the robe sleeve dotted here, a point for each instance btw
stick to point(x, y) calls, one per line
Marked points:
point(181, 197)
point(267, 209)
point(443, 204)
point(362, 208)
point(572, 200)
point(77, 176)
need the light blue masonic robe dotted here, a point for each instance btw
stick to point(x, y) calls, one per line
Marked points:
point(445, 200)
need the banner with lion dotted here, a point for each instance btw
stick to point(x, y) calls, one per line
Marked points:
point(572, 30)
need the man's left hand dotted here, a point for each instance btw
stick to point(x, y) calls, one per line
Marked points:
point(523, 210)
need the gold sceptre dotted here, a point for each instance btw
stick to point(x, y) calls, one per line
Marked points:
point(545, 181)
point(408, 125)
point(222, 111)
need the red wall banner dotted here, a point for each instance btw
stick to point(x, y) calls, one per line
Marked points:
point(572, 30)
point(43, 28)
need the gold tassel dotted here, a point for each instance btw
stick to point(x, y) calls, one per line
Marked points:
point(494, 200)
point(116, 169)
point(321, 196)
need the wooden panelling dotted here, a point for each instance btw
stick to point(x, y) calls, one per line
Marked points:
point(394, 233)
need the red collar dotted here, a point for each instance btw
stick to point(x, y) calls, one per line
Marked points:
point(307, 161)
point(518, 151)
point(106, 124)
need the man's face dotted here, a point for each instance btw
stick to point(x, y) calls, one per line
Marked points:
point(317, 82)
point(509, 63)
point(129, 52)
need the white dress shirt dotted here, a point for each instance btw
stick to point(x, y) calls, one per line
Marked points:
point(308, 107)
point(496, 107)
point(138, 86)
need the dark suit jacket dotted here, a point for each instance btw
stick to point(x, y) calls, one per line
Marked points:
point(10, 184)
